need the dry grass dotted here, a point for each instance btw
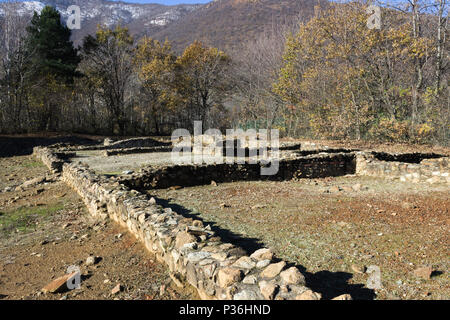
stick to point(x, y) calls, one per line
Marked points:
point(395, 226)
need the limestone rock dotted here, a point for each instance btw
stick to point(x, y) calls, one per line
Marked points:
point(268, 289)
point(358, 269)
point(91, 260)
point(262, 254)
point(343, 297)
point(228, 276)
point(59, 284)
point(176, 279)
point(309, 295)
point(273, 270)
point(197, 223)
point(244, 263)
point(263, 263)
point(423, 272)
point(117, 289)
point(292, 276)
point(246, 295)
point(221, 256)
point(250, 279)
point(197, 256)
point(191, 274)
point(33, 182)
point(184, 238)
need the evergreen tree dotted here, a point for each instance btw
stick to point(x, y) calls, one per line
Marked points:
point(52, 68)
point(52, 50)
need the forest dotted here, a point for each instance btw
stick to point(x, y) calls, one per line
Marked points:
point(327, 77)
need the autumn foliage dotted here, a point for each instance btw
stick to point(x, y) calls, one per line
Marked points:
point(349, 81)
point(330, 76)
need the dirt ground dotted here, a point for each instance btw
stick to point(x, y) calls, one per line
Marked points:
point(45, 228)
point(116, 164)
point(323, 225)
point(119, 163)
point(334, 232)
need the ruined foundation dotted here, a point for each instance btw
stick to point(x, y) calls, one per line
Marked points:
point(191, 250)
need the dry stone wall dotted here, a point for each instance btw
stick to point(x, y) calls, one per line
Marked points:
point(316, 166)
point(114, 152)
point(135, 143)
point(190, 249)
point(433, 170)
point(49, 158)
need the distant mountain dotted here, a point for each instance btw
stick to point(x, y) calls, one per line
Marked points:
point(221, 23)
point(139, 18)
point(227, 23)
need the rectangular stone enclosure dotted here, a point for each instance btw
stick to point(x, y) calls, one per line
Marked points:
point(191, 250)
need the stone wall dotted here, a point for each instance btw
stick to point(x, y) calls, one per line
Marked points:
point(405, 157)
point(135, 143)
point(315, 166)
point(192, 252)
point(49, 158)
point(114, 152)
point(431, 170)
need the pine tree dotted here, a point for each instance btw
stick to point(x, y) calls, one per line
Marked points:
point(52, 50)
point(52, 67)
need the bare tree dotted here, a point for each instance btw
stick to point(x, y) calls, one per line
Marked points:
point(108, 62)
point(13, 71)
point(256, 68)
point(441, 41)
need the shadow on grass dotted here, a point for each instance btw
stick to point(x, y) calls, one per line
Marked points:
point(329, 284)
point(436, 273)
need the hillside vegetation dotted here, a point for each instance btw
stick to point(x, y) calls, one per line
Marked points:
point(323, 74)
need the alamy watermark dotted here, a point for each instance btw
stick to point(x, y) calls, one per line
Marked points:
point(374, 19)
point(74, 19)
point(237, 146)
point(74, 282)
point(374, 280)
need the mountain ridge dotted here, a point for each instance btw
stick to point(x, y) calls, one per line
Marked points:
point(221, 23)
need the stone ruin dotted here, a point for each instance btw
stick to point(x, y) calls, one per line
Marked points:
point(191, 250)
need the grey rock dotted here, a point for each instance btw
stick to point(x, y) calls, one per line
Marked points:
point(246, 295)
point(263, 263)
point(244, 263)
point(197, 256)
point(91, 260)
point(250, 279)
